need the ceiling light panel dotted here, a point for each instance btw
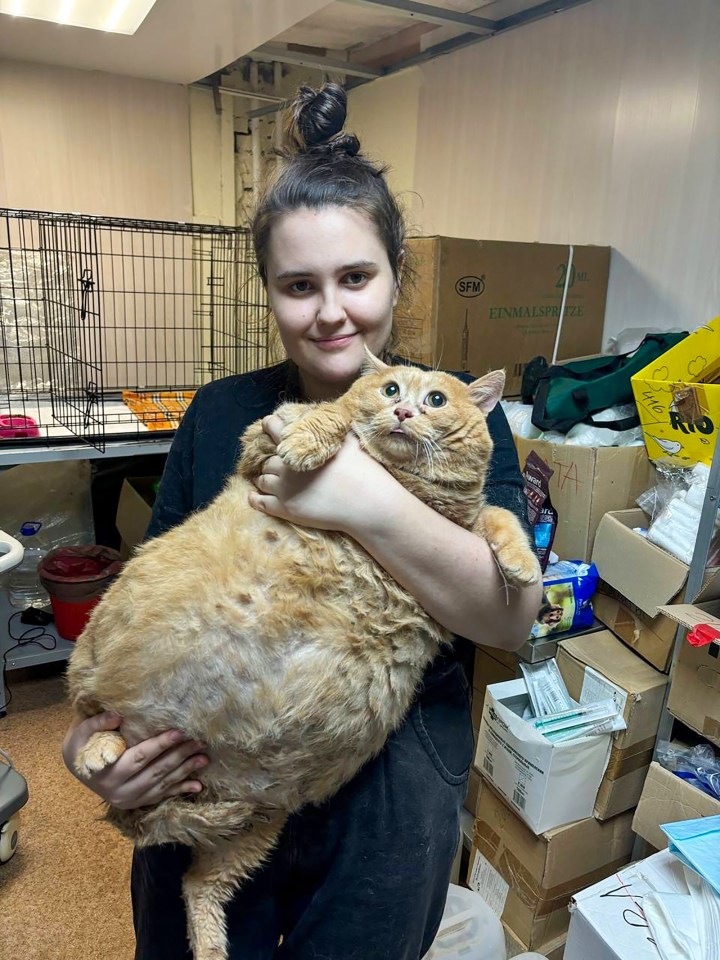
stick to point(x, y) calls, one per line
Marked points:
point(111, 16)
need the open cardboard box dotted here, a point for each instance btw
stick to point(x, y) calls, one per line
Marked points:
point(695, 688)
point(546, 784)
point(586, 483)
point(666, 798)
point(678, 399)
point(598, 666)
point(644, 578)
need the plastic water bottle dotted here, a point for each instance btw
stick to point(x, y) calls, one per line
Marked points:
point(24, 587)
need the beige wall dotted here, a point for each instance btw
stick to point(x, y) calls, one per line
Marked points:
point(384, 115)
point(600, 125)
point(73, 140)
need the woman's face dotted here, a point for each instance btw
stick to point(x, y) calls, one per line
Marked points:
point(332, 291)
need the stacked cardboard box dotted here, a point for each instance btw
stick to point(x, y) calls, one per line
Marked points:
point(526, 857)
point(666, 799)
point(528, 879)
point(491, 666)
point(638, 579)
point(587, 482)
point(640, 600)
point(599, 666)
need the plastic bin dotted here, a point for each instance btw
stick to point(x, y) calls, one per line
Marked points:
point(76, 578)
point(469, 929)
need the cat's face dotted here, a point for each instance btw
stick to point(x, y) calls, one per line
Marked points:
point(411, 417)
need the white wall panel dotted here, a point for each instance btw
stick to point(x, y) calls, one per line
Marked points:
point(601, 125)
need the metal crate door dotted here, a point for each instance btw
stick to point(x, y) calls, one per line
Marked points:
point(71, 291)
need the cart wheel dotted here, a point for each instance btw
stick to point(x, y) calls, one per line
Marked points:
point(9, 838)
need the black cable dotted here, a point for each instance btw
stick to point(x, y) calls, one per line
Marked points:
point(33, 634)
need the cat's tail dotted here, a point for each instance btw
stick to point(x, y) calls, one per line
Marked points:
point(190, 822)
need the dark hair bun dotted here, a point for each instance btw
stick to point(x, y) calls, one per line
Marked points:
point(317, 120)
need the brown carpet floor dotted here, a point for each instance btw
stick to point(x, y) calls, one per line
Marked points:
point(65, 895)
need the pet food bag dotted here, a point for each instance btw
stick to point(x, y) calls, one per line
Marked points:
point(568, 587)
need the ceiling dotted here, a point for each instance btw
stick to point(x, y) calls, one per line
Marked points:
point(184, 41)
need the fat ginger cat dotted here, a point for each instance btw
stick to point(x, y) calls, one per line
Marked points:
point(289, 651)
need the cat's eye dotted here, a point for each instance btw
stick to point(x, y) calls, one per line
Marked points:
point(436, 399)
point(391, 390)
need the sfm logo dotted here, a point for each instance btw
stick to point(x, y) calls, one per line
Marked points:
point(701, 425)
point(469, 287)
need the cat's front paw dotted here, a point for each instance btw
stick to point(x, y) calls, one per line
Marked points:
point(302, 448)
point(297, 452)
point(519, 565)
point(100, 751)
point(508, 542)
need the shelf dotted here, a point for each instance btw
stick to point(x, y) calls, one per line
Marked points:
point(13, 456)
point(30, 654)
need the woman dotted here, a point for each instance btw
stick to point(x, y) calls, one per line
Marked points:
point(365, 874)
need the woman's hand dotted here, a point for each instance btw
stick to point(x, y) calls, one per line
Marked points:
point(334, 497)
point(146, 773)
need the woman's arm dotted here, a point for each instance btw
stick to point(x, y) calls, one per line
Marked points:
point(450, 571)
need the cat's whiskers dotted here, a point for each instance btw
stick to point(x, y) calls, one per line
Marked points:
point(439, 455)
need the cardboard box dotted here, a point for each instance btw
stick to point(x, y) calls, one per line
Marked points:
point(651, 637)
point(586, 483)
point(666, 799)
point(678, 399)
point(527, 879)
point(546, 784)
point(483, 304)
point(134, 511)
point(695, 688)
point(596, 666)
point(488, 670)
point(473, 791)
point(645, 576)
point(607, 921)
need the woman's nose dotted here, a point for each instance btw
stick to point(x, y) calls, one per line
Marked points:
point(331, 309)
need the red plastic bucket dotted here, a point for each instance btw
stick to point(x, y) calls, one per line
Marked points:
point(76, 578)
point(70, 618)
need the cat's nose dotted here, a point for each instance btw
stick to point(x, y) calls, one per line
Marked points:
point(402, 413)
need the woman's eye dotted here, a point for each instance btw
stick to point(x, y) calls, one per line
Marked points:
point(300, 286)
point(391, 390)
point(436, 399)
point(355, 279)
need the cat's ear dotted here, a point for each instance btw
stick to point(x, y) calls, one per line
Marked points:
point(371, 364)
point(487, 390)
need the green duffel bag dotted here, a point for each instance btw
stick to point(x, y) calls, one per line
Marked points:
point(566, 394)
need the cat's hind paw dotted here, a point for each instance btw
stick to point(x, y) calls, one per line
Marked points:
point(100, 751)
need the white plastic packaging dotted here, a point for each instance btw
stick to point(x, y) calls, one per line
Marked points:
point(586, 435)
point(469, 929)
point(518, 415)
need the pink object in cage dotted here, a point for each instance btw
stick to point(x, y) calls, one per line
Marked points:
point(13, 427)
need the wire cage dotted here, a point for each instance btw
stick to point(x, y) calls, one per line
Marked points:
point(108, 325)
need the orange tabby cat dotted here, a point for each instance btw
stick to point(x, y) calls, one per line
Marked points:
point(289, 651)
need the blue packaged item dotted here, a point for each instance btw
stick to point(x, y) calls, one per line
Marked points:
point(568, 587)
